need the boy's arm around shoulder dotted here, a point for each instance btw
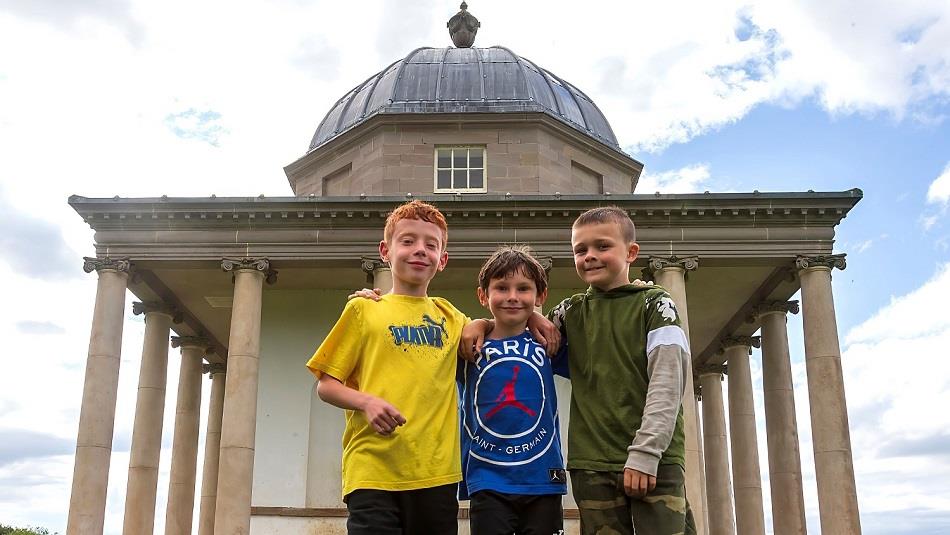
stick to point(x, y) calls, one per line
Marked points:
point(668, 362)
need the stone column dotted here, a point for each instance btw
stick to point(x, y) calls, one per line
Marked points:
point(147, 429)
point(232, 515)
point(716, 450)
point(181, 479)
point(670, 273)
point(87, 503)
point(378, 274)
point(781, 425)
point(831, 439)
point(209, 477)
point(750, 514)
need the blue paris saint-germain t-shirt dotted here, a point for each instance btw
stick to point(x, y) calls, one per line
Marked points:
point(511, 440)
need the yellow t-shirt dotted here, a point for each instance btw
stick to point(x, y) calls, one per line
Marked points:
point(401, 349)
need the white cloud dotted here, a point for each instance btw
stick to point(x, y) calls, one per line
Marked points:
point(898, 380)
point(690, 179)
point(939, 190)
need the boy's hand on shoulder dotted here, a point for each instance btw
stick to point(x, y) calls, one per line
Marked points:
point(375, 294)
point(382, 416)
point(637, 484)
point(473, 336)
point(545, 333)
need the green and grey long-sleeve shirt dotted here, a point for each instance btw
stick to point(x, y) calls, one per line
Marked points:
point(628, 358)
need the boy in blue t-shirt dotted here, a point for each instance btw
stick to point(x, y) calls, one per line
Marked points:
point(512, 465)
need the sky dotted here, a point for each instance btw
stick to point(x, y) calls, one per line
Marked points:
point(143, 98)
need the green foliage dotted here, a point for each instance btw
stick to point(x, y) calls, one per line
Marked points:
point(10, 530)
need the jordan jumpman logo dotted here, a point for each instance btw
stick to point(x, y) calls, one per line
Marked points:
point(507, 398)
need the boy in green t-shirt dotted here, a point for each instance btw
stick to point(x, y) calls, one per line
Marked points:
point(628, 360)
point(391, 365)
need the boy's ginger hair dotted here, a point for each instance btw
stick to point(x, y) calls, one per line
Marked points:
point(609, 214)
point(421, 211)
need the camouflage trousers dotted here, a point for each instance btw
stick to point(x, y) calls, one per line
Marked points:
point(605, 509)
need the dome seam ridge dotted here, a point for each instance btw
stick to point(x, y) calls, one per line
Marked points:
point(379, 76)
point(547, 81)
point(438, 83)
point(571, 93)
point(405, 61)
point(481, 73)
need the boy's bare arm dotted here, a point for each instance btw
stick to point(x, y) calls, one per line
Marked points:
point(472, 338)
point(667, 366)
point(545, 333)
point(381, 415)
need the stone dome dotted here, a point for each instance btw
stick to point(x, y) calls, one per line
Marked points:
point(465, 80)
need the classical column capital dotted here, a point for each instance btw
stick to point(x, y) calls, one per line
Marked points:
point(190, 341)
point(231, 265)
point(90, 264)
point(659, 263)
point(822, 261)
point(712, 369)
point(687, 263)
point(213, 369)
point(546, 262)
point(748, 341)
point(139, 308)
point(770, 307)
point(370, 264)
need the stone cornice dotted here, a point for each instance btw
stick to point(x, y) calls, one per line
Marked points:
point(770, 307)
point(747, 341)
point(824, 261)
point(90, 264)
point(339, 229)
point(191, 341)
point(139, 308)
point(250, 264)
point(721, 209)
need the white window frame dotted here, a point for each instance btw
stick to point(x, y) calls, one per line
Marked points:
point(452, 169)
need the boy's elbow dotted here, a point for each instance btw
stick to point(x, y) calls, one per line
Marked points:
point(322, 388)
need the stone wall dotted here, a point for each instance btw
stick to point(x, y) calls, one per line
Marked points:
point(395, 159)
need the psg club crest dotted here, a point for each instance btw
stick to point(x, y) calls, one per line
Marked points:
point(503, 413)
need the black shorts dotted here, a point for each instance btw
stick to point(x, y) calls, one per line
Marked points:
point(404, 512)
point(495, 513)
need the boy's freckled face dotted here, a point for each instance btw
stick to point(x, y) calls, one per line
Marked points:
point(415, 251)
point(511, 299)
point(601, 256)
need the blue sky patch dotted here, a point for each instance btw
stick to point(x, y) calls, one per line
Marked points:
point(202, 125)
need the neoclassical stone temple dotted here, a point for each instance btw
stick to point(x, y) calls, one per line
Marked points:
point(512, 154)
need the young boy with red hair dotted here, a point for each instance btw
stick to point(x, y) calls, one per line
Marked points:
point(391, 364)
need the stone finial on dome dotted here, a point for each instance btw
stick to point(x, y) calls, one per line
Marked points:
point(462, 27)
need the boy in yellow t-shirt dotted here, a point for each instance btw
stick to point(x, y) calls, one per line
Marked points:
point(391, 365)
